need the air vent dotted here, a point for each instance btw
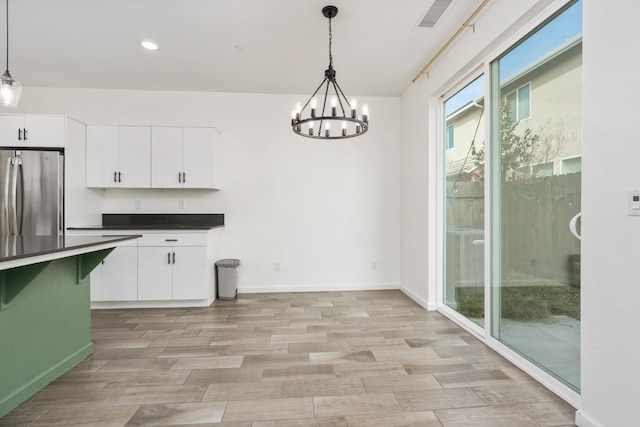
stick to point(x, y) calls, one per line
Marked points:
point(434, 13)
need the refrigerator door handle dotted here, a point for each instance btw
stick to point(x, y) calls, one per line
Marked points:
point(6, 211)
point(13, 198)
point(20, 189)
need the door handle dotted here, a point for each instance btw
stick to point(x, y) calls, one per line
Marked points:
point(477, 242)
point(119, 177)
point(174, 257)
point(179, 177)
point(168, 257)
point(19, 134)
point(572, 226)
point(115, 176)
point(184, 177)
point(13, 198)
point(24, 134)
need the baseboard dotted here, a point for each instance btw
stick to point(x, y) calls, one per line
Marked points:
point(584, 420)
point(18, 396)
point(429, 306)
point(102, 305)
point(318, 288)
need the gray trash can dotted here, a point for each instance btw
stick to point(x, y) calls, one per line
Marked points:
point(227, 278)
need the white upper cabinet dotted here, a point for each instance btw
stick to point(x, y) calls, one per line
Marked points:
point(32, 131)
point(166, 157)
point(134, 150)
point(118, 156)
point(198, 158)
point(182, 157)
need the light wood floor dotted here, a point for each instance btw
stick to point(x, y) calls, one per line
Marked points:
point(371, 358)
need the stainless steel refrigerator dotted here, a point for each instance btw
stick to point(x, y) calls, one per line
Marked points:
point(31, 192)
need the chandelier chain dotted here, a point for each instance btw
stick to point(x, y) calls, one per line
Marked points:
point(330, 38)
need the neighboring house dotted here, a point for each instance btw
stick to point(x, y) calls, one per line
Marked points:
point(542, 98)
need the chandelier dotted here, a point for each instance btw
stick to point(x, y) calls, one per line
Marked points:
point(338, 118)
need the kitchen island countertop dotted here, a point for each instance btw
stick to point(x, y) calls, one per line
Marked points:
point(17, 251)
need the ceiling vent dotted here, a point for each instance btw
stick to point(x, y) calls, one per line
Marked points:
point(434, 13)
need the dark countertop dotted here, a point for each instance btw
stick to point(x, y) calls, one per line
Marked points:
point(21, 248)
point(146, 227)
point(157, 221)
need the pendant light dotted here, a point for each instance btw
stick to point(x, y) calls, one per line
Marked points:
point(10, 89)
point(339, 117)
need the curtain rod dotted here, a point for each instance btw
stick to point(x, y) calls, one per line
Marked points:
point(450, 41)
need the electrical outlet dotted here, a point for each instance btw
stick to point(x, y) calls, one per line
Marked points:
point(180, 204)
point(136, 204)
point(374, 265)
point(276, 266)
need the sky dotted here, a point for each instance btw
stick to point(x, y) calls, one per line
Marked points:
point(550, 36)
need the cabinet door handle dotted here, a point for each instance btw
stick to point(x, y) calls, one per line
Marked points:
point(119, 177)
point(174, 257)
point(168, 257)
point(184, 177)
point(115, 176)
point(24, 134)
point(179, 177)
point(19, 134)
point(170, 240)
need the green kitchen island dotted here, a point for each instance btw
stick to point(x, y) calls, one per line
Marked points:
point(45, 318)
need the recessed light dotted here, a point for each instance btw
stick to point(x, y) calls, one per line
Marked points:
point(149, 45)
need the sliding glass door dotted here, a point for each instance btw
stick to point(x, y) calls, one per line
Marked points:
point(464, 201)
point(536, 192)
point(533, 179)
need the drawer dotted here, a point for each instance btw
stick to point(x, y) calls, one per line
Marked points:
point(168, 239)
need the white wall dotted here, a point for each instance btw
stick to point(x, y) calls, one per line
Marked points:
point(611, 239)
point(325, 211)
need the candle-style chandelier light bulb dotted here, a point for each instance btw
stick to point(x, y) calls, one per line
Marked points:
point(334, 106)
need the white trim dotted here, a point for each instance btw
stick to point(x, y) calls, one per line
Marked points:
point(102, 305)
point(256, 289)
point(584, 420)
point(427, 305)
point(435, 183)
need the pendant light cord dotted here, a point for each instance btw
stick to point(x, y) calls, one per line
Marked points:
point(7, 3)
point(330, 37)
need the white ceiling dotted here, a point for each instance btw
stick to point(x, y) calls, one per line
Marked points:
point(377, 48)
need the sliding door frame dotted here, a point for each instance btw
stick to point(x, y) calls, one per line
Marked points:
point(492, 207)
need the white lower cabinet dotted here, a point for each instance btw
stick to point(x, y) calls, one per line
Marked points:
point(116, 278)
point(171, 273)
point(165, 268)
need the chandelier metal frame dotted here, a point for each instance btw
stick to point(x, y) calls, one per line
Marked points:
point(330, 114)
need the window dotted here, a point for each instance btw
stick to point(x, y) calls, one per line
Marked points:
point(450, 139)
point(572, 165)
point(520, 103)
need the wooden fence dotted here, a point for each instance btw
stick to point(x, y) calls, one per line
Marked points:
point(535, 219)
